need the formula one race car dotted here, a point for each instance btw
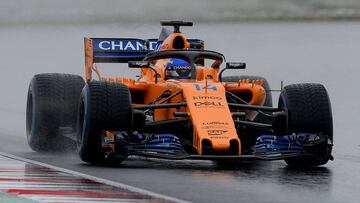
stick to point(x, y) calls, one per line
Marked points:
point(180, 107)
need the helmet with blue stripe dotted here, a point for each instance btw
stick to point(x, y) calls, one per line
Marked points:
point(178, 69)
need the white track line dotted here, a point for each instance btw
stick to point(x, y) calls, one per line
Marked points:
point(97, 179)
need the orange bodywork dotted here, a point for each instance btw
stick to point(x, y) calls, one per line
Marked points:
point(210, 116)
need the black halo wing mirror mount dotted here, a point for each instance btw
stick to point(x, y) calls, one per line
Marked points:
point(232, 65)
point(235, 65)
point(138, 64)
point(143, 64)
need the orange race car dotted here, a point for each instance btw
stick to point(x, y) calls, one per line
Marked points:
point(180, 107)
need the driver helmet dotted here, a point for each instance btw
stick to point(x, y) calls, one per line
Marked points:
point(178, 69)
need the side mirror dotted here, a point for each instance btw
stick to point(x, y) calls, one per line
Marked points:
point(235, 65)
point(138, 64)
point(143, 64)
point(232, 65)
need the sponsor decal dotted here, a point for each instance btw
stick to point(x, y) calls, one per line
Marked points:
point(124, 45)
point(209, 104)
point(236, 65)
point(128, 44)
point(215, 125)
point(218, 137)
point(208, 87)
point(207, 97)
point(154, 45)
point(216, 132)
point(138, 64)
point(179, 68)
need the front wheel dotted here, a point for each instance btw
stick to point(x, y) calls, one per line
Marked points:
point(309, 111)
point(103, 106)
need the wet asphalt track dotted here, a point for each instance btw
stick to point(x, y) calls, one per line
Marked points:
point(324, 52)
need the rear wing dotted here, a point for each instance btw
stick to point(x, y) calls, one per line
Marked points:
point(122, 50)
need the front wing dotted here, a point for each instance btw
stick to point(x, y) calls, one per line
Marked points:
point(267, 147)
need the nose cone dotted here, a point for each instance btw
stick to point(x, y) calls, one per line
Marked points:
point(211, 117)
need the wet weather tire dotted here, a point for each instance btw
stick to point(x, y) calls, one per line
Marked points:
point(52, 104)
point(309, 111)
point(103, 106)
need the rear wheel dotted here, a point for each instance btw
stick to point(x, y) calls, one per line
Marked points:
point(103, 106)
point(309, 111)
point(51, 111)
